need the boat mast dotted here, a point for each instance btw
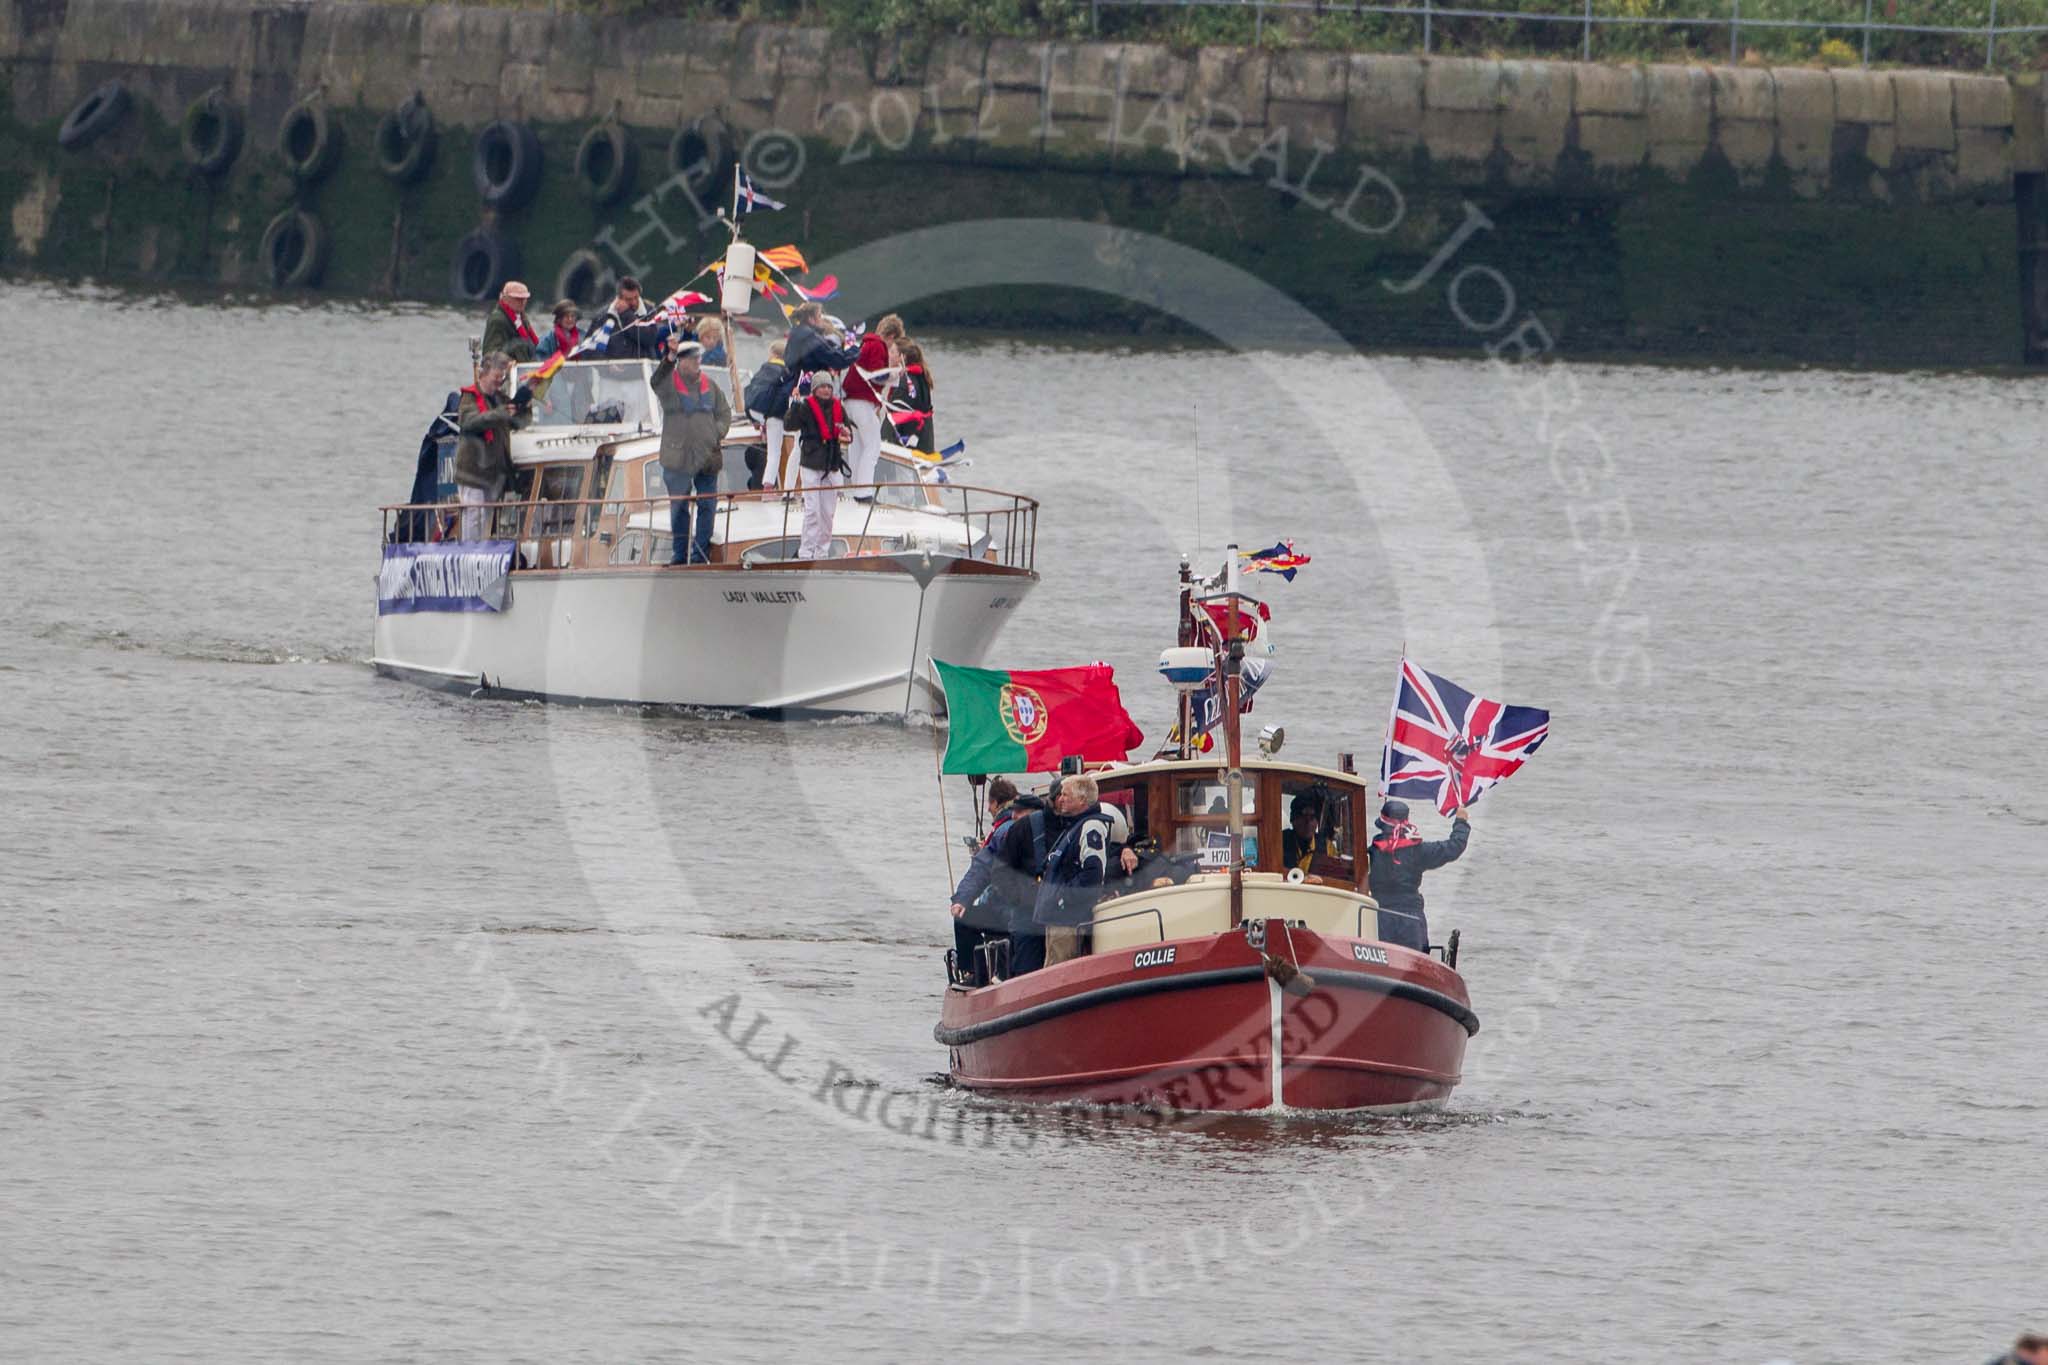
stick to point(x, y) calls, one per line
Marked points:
point(732, 336)
point(1185, 638)
point(1233, 777)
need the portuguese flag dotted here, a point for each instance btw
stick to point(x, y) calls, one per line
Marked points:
point(1027, 720)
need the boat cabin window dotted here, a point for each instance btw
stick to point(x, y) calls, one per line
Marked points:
point(600, 475)
point(900, 485)
point(1203, 796)
point(1202, 822)
point(558, 483)
point(505, 520)
point(1132, 802)
point(1315, 830)
point(594, 393)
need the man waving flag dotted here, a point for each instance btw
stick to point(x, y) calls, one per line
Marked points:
point(1447, 745)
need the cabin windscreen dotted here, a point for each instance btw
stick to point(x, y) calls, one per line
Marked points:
point(609, 393)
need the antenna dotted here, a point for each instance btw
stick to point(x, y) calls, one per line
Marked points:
point(1198, 477)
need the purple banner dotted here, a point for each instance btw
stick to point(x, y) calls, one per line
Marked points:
point(449, 575)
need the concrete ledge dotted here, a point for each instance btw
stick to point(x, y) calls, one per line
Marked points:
point(1145, 107)
point(1926, 110)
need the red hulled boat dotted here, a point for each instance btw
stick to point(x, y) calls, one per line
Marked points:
point(1220, 977)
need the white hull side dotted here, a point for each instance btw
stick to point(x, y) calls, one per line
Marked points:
point(812, 640)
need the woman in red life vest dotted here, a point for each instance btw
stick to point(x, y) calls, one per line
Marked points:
point(507, 329)
point(819, 419)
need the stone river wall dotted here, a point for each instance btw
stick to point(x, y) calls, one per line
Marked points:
point(1843, 216)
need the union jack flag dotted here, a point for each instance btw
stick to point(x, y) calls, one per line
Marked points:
point(1447, 745)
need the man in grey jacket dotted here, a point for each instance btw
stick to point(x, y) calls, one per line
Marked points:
point(483, 457)
point(695, 418)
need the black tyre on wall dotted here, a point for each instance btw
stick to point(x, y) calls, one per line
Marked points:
point(405, 141)
point(309, 141)
point(586, 278)
point(294, 250)
point(483, 262)
point(606, 163)
point(93, 115)
point(507, 165)
point(211, 134)
point(702, 154)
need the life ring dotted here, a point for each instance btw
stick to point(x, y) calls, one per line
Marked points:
point(93, 115)
point(405, 141)
point(701, 153)
point(309, 141)
point(294, 250)
point(506, 165)
point(606, 162)
point(211, 134)
point(483, 262)
point(586, 278)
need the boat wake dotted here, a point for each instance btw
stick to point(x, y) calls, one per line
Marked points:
point(194, 648)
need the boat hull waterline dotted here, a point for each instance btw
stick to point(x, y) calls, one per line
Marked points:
point(1196, 1025)
point(847, 637)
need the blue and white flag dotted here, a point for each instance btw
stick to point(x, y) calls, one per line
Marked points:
point(747, 199)
point(446, 575)
point(595, 341)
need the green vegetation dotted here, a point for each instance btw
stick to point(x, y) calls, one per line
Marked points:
point(1656, 30)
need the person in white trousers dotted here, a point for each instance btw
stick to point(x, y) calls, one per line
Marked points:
point(820, 421)
point(867, 389)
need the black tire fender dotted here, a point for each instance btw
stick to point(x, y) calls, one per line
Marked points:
point(506, 165)
point(701, 152)
point(587, 278)
point(211, 134)
point(607, 162)
point(482, 263)
point(405, 141)
point(95, 114)
point(309, 140)
point(294, 250)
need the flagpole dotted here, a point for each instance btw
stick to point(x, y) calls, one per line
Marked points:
point(1233, 732)
point(1186, 638)
point(732, 335)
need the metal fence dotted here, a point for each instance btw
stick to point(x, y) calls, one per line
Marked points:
point(1427, 14)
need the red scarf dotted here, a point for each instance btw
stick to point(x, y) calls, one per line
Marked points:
point(566, 344)
point(838, 417)
point(1397, 837)
point(519, 322)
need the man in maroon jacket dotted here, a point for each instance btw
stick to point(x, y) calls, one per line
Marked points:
point(867, 390)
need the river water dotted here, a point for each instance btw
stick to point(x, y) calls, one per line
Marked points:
point(344, 1021)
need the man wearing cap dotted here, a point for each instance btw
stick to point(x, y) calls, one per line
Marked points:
point(695, 418)
point(507, 329)
point(1398, 858)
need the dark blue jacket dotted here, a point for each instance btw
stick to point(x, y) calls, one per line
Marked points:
point(1074, 871)
point(985, 911)
point(805, 351)
point(1018, 854)
point(1395, 872)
